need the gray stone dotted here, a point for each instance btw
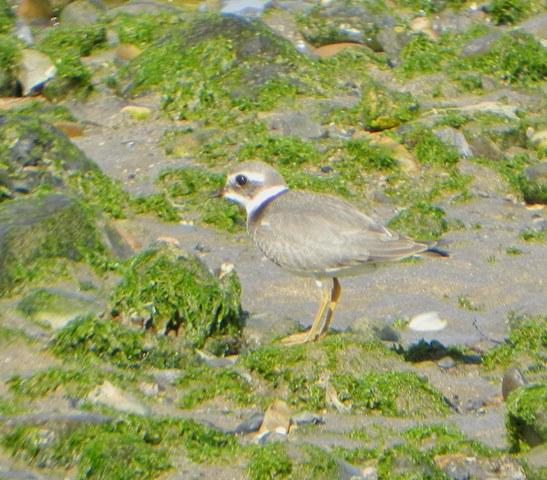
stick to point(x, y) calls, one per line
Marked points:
point(35, 69)
point(537, 173)
point(114, 397)
point(482, 146)
point(481, 45)
point(250, 425)
point(454, 138)
point(295, 124)
point(82, 12)
point(512, 379)
point(307, 418)
point(245, 8)
point(537, 26)
point(446, 363)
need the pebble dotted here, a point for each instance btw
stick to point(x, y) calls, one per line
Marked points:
point(114, 397)
point(250, 425)
point(136, 112)
point(307, 418)
point(512, 379)
point(36, 69)
point(446, 363)
point(427, 322)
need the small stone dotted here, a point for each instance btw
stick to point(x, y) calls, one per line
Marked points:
point(112, 396)
point(277, 419)
point(244, 8)
point(149, 389)
point(512, 379)
point(126, 52)
point(250, 425)
point(427, 322)
point(454, 138)
point(36, 69)
point(82, 12)
point(446, 363)
point(35, 12)
point(70, 129)
point(307, 418)
point(136, 112)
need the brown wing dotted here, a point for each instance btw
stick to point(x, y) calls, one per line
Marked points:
point(311, 233)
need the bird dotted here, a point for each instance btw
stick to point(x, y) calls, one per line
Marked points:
point(313, 235)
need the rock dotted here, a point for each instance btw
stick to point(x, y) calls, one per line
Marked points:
point(536, 466)
point(260, 328)
point(526, 417)
point(126, 52)
point(307, 418)
point(150, 389)
point(36, 69)
point(454, 138)
point(113, 397)
point(175, 292)
point(250, 425)
point(45, 227)
point(427, 322)
point(512, 379)
point(480, 45)
point(458, 466)
point(39, 155)
point(245, 8)
point(295, 124)
point(82, 12)
point(446, 363)
point(277, 419)
point(56, 307)
point(537, 26)
point(35, 12)
point(140, 7)
point(423, 25)
point(482, 146)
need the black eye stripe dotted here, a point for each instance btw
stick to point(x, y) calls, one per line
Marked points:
point(241, 180)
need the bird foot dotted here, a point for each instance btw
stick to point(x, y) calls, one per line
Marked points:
point(299, 338)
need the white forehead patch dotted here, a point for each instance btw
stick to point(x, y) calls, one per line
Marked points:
point(255, 177)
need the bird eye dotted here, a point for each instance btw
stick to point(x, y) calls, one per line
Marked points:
point(241, 180)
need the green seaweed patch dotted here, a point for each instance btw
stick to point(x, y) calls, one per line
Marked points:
point(525, 421)
point(429, 149)
point(512, 169)
point(269, 461)
point(159, 204)
point(128, 447)
point(316, 463)
point(75, 381)
point(191, 189)
point(105, 339)
point(202, 383)
point(301, 375)
point(42, 229)
point(421, 221)
point(424, 55)
point(429, 6)
point(508, 12)
point(143, 29)
point(390, 393)
point(369, 157)
point(10, 54)
point(45, 111)
point(279, 150)
point(171, 290)
point(7, 17)
point(434, 350)
point(532, 235)
point(516, 57)
point(406, 461)
point(66, 45)
point(527, 340)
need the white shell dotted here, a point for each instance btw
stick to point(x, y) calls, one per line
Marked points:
point(427, 322)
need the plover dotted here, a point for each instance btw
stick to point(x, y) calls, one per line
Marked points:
point(313, 235)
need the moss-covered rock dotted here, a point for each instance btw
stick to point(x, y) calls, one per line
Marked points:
point(7, 18)
point(167, 289)
point(10, 54)
point(56, 307)
point(38, 231)
point(526, 419)
point(34, 155)
point(421, 220)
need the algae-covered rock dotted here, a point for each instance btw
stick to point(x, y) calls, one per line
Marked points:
point(526, 419)
point(35, 154)
point(55, 307)
point(534, 188)
point(37, 231)
point(167, 289)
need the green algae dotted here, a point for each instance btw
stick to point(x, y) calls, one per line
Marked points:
point(10, 54)
point(525, 419)
point(40, 230)
point(531, 235)
point(66, 45)
point(421, 221)
point(7, 18)
point(141, 30)
point(45, 111)
point(89, 337)
point(402, 462)
point(202, 383)
point(509, 11)
point(159, 204)
point(270, 461)
point(127, 447)
point(302, 373)
point(429, 149)
point(527, 340)
point(171, 290)
point(191, 189)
